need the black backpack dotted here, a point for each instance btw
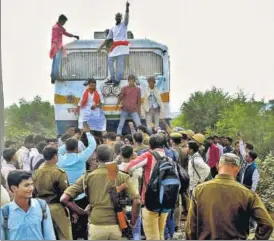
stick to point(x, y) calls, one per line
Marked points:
point(164, 185)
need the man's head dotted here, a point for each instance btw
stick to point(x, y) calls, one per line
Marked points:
point(229, 141)
point(104, 153)
point(131, 80)
point(251, 156)
point(229, 164)
point(237, 146)
point(72, 145)
point(142, 129)
point(128, 139)
point(118, 18)
point(38, 138)
point(40, 146)
point(127, 152)
point(156, 141)
point(10, 144)
point(151, 82)
point(70, 130)
point(119, 138)
point(222, 140)
point(77, 134)
point(21, 184)
point(193, 147)
point(91, 83)
point(117, 147)
point(65, 137)
point(138, 138)
point(9, 154)
point(52, 142)
point(210, 140)
point(175, 138)
point(50, 154)
point(29, 142)
point(62, 19)
point(215, 139)
point(249, 147)
point(110, 138)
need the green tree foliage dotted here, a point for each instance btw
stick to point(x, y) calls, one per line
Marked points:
point(204, 109)
point(216, 112)
point(36, 116)
point(266, 183)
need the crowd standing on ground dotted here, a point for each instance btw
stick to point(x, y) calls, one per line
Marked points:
point(99, 186)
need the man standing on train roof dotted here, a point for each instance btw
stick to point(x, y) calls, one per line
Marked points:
point(57, 38)
point(119, 48)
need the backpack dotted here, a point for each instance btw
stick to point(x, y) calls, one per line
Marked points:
point(37, 165)
point(5, 213)
point(199, 176)
point(164, 185)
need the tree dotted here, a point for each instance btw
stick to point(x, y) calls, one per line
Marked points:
point(252, 120)
point(34, 116)
point(203, 109)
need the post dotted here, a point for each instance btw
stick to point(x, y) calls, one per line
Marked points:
point(1, 107)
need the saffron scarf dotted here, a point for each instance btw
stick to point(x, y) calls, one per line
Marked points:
point(96, 97)
point(119, 43)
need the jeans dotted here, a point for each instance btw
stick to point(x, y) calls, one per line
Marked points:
point(136, 231)
point(170, 226)
point(119, 67)
point(55, 64)
point(153, 113)
point(123, 117)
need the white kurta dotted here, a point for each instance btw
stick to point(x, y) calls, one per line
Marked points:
point(86, 112)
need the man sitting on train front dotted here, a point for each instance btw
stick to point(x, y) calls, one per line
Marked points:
point(119, 48)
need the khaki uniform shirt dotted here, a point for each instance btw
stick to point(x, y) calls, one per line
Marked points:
point(97, 186)
point(50, 182)
point(221, 209)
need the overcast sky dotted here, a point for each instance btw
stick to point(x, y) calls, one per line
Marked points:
point(224, 43)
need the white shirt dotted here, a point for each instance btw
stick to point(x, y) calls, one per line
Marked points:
point(221, 149)
point(5, 198)
point(119, 33)
point(255, 178)
point(25, 155)
point(85, 111)
point(202, 168)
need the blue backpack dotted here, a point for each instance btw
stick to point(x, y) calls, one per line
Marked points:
point(164, 185)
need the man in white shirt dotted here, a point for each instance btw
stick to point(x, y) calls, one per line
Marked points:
point(198, 170)
point(119, 48)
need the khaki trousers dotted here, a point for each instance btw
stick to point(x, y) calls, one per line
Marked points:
point(104, 232)
point(61, 221)
point(154, 224)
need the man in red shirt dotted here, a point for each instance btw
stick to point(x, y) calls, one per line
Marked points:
point(130, 98)
point(57, 39)
point(212, 156)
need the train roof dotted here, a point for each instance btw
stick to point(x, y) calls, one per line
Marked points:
point(134, 43)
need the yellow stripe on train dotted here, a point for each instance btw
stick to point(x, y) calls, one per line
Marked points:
point(61, 99)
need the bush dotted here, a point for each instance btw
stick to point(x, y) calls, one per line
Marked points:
point(266, 183)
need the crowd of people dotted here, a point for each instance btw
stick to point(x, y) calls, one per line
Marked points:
point(96, 185)
point(102, 186)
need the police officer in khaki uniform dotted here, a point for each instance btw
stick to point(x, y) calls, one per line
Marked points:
point(220, 209)
point(102, 217)
point(49, 184)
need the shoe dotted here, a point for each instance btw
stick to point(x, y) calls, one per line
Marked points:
point(116, 84)
point(109, 82)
